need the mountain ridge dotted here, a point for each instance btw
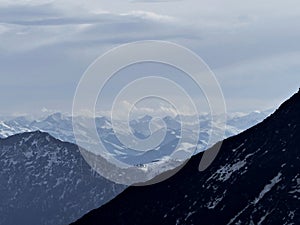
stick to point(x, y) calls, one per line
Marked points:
point(60, 126)
point(46, 181)
point(254, 180)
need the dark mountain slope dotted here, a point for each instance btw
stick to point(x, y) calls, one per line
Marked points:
point(46, 181)
point(255, 179)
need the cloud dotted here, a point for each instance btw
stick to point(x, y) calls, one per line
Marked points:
point(47, 45)
point(155, 1)
point(10, 13)
point(263, 82)
point(154, 109)
point(45, 25)
point(3, 29)
point(50, 14)
point(149, 16)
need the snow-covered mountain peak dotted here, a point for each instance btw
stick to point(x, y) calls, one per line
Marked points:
point(46, 181)
point(60, 126)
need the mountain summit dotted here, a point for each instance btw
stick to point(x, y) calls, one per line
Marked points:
point(46, 181)
point(255, 179)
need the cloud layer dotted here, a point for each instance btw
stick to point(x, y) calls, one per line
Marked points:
point(45, 46)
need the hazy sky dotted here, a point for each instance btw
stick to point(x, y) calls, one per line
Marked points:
point(45, 46)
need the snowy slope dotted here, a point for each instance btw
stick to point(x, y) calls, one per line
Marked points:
point(46, 181)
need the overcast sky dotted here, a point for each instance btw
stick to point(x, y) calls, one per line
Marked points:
point(45, 46)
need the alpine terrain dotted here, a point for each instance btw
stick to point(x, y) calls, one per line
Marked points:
point(60, 126)
point(46, 181)
point(255, 179)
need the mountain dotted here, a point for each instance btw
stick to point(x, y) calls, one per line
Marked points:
point(46, 181)
point(14, 126)
point(245, 121)
point(255, 179)
point(60, 126)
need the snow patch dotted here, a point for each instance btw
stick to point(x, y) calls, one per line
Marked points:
point(268, 187)
point(224, 173)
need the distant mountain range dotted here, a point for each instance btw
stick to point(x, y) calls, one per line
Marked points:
point(46, 181)
point(255, 179)
point(60, 126)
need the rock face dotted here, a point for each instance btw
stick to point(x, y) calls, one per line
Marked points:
point(255, 179)
point(46, 181)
